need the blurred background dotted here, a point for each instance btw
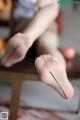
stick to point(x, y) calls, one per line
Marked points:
point(50, 106)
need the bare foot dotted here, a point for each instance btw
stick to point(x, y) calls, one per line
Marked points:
point(52, 72)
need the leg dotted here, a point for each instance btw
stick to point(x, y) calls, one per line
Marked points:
point(51, 65)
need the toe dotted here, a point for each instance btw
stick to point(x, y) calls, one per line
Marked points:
point(39, 63)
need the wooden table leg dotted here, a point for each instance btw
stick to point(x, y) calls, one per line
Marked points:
point(16, 90)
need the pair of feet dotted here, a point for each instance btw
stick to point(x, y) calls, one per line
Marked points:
point(49, 67)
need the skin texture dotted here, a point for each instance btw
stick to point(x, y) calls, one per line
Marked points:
point(50, 62)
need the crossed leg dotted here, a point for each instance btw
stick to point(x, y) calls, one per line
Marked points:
point(51, 65)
